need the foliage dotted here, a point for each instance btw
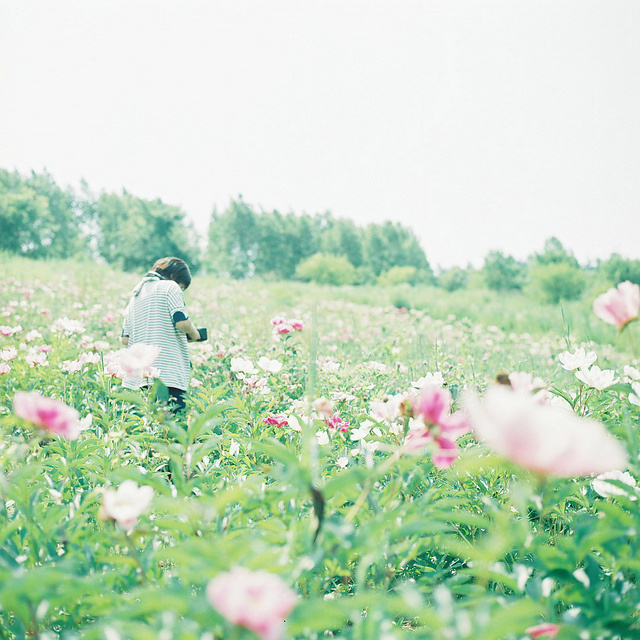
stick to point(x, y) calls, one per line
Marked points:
point(39, 219)
point(558, 281)
point(376, 543)
point(244, 243)
point(398, 275)
point(134, 233)
point(503, 272)
point(326, 269)
point(618, 269)
point(554, 252)
point(453, 279)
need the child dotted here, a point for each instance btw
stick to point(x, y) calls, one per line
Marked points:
point(156, 315)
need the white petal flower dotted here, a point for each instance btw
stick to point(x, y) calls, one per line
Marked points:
point(597, 378)
point(125, 504)
point(577, 360)
point(605, 489)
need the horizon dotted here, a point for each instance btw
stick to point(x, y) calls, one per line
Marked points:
point(480, 125)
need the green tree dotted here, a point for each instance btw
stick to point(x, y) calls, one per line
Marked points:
point(554, 252)
point(134, 233)
point(618, 269)
point(502, 272)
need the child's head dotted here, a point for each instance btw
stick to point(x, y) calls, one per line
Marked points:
point(174, 269)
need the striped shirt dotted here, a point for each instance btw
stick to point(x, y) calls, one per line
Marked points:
point(150, 318)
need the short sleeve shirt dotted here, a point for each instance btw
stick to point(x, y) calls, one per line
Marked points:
point(149, 319)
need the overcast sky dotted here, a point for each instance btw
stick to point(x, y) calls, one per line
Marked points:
point(482, 124)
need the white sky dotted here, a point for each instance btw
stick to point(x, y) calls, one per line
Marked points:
point(482, 124)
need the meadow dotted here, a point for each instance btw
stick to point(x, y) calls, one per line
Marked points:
point(316, 488)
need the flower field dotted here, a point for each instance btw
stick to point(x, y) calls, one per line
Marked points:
point(355, 470)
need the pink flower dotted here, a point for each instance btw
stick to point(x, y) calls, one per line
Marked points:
point(4, 368)
point(256, 600)
point(125, 504)
point(433, 423)
point(33, 359)
point(48, 413)
point(337, 423)
point(542, 438)
point(277, 420)
point(297, 325)
point(137, 358)
point(433, 405)
point(544, 630)
point(620, 305)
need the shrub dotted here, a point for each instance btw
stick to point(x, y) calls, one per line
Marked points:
point(326, 269)
point(398, 275)
point(558, 281)
point(453, 279)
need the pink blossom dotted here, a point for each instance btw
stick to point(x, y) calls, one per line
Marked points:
point(337, 423)
point(71, 366)
point(4, 368)
point(136, 358)
point(542, 438)
point(277, 420)
point(195, 383)
point(433, 405)
point(297, 325)
point(620, 305)
point(33, 359)
point(9, 331)
point(256, 600)
point(51, 414)
point(8, 354)
point(544, 630)
point(89, 358)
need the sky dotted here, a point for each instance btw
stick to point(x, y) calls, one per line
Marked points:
point(482, 124)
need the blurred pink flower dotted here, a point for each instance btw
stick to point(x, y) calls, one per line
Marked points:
point(50, 414)
point(277, 420)
point(542, 438)
point(337, 423)
point(71, 366)
point(136, 358)
point(33, 359)
point(544, 630)
point(433, 405)
point(619, 305)
point(4, 368)
point(256, 600)
point(125, 504)
point(8, 354)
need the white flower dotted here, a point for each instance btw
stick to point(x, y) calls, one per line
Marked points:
point(387, 409)
point(577, 360)
point(234, 448)
point(634, 398)
point(596, 377)
point(323, 406)
point(33, 335)
point(631, 374)
point(362, 431)
point(270, 366)
point(8, 354)
point(322, 436)
point(71, 366)
point(434, 379)
point(125, 504)
point(67, 326)
point(378, 367)
point(342, 462)
point(604, 488)
point(243, 366)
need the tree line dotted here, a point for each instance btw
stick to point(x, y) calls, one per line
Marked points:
point(40, 219)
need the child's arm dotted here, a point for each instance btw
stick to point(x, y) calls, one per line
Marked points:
point(186, 326)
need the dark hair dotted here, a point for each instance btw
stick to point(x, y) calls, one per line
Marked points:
point(173, 269)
